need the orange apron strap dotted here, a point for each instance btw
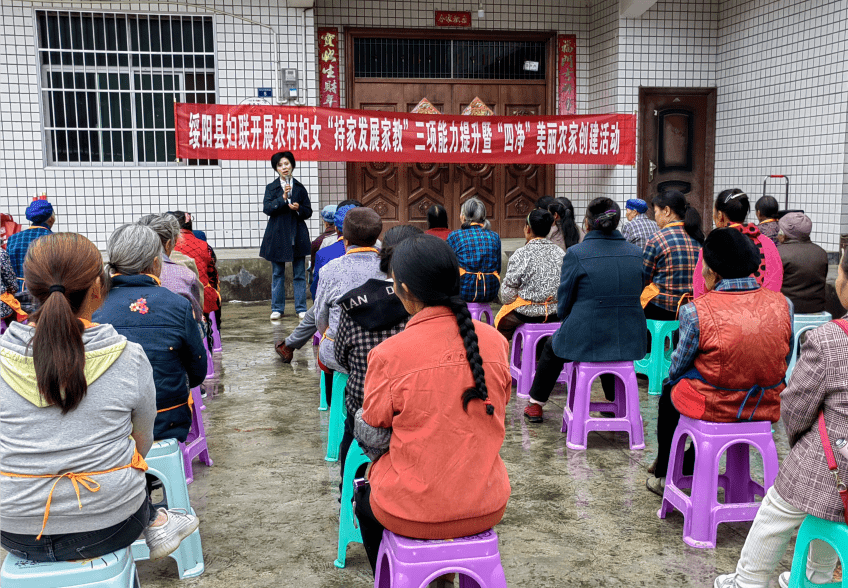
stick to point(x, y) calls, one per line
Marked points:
point(478, 276)
point(362, 250)
point(518, 303)
point(685, 299)
point(83, 478)
point(650, 292)
point(189, 401)
point(9, 299)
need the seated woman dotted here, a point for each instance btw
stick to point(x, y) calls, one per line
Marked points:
point(639, 227)
point(370, 314)
point(725, 368)
point(564, 232)
point(76, 398)
point(175, 277)
point(157, 319)
point(529, 288)
point(818, 390)
point(598, 303)
point(804, 264)
point(479, 253)
point(433, 422)
point(767, 215)
point(437, 222)
point(670, 256)
point(731, 209)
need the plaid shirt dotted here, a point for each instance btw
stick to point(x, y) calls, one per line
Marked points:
point(639, 230)
point(17, 247)
point(479, 253)
point(769, 228)
point(690, 332)
point(353, 344)
point(669, 262)
point(202, 254)
point(8, 283)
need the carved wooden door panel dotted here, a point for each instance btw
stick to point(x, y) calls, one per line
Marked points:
point(473, 179)
point(523, 183)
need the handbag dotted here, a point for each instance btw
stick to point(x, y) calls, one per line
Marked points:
point(832, 466)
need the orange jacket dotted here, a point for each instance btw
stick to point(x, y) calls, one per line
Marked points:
point(744, 342)
point(443, 476)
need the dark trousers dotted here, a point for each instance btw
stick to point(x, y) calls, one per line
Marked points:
point(655, 313)
point(548, 370)
point(85, 545)
point(328, 387)
point(667, 418)
point(514, 319)
point(347, 441)
point(371, 528)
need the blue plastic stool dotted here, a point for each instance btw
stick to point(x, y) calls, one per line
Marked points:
point(657, 362)
point(338, 413)
point(348, 527)
point(802, 324)
point(113, 570)
point(834, 534)
point(165, 461)
point(322, 395)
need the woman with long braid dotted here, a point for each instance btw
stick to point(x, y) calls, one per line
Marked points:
point(433, 415)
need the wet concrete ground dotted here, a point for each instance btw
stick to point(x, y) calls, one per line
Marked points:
point(269, 505)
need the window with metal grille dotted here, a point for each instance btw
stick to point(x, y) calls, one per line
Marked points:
point(109, 82)
point(449, 59)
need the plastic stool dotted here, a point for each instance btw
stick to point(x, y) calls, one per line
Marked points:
point(576, 421)
point(701, 510)
point(216, 334)
point(834, 534)
point(481, 311)
point(322, 393)
point(113, 570)
point(657, 362)
point(413, 563)
point(165, 461)
point(195, 444)
point(348, 527)
point(2, 326)
point(802, 324)
point(338, 413)
point(210, 362)
point(522, 359)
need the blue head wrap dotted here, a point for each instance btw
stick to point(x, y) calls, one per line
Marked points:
point(638, 205)
point(39, 211)
point(340, 215)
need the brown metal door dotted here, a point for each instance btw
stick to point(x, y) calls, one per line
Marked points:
point(677, 139)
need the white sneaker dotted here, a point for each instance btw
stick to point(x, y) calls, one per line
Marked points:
point(301, 315)
point(814, 578)
point(783, 580)
point(165, 539)
point(275, 316)
point(725, 581)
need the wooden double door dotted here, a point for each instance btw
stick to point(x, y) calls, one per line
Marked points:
point(401, 193)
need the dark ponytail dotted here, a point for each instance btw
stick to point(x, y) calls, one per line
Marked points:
point(570, 231)
point(392, 237)
point(734, 204)
point(59, 270)
point(603, 215)
point(428, 267)
point(676, 201)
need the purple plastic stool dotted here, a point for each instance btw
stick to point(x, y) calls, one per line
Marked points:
point(2, 326)
point(479, 310)
point(522, 359)
point(216, 334)
point(195, 444)
point(316, 339)
point(702, 511)
point(414, 563)
point(576, 421)
point(210, 362)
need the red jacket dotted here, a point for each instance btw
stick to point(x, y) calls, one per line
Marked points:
point(443, 476)
point(744, 342)
point(199, 250)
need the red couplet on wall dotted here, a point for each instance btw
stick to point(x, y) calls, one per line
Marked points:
point(567, 73)
point(329, 92)
point(221, 131)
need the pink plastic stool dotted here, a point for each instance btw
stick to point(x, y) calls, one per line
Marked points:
point(576, 421)
point(414, 563)
point(195, 444)
point(481, 311)
point(522, 361)
point(702, 511)
point(216, 334)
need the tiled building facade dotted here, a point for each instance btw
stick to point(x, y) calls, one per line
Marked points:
point(778, 69)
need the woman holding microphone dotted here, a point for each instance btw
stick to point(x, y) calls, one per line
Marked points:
point(286, 237)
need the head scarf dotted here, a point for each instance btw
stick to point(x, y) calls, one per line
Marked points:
point(39, 211)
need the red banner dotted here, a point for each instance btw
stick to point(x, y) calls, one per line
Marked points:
point(446, 18)
point(221, 131)
point(567, 73)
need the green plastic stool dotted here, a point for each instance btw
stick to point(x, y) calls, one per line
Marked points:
point(348, 527)
point(322, 396)
point(656, 364)
point(338, 414)
point(834, 534)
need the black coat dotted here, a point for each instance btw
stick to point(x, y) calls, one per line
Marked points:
point(598, 301)
point(286, 236)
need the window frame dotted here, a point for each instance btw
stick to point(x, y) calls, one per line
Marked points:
point(48, 129)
